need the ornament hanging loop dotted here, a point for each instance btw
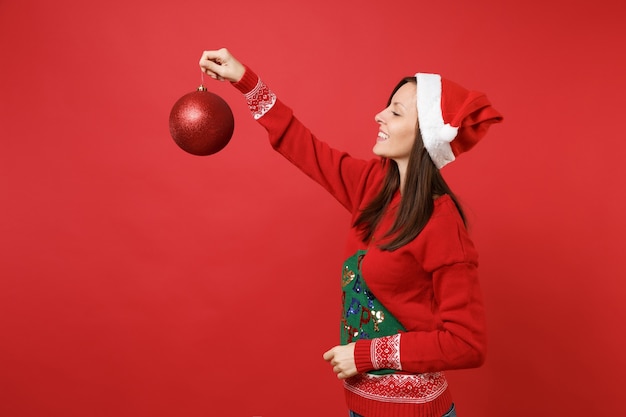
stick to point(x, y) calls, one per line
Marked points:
point(201, 87)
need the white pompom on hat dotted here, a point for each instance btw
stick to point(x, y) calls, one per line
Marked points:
point(451, 118)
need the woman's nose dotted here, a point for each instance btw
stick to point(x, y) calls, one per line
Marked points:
point(378, 118)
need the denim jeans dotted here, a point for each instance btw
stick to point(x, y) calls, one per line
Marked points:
point(450, 413)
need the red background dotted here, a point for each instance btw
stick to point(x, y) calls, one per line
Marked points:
point(138, 280)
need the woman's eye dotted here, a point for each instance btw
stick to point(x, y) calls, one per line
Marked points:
point(395, 114)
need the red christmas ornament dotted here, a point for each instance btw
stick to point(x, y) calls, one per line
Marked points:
point(201, 122)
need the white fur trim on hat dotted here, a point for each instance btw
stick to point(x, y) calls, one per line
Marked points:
point(436, 134)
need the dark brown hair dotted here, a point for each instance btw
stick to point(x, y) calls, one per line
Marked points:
point(423, 182)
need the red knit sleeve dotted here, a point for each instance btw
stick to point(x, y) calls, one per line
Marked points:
point(362, 358)
point(459, 340)
point(339, 173)
point(378, 353)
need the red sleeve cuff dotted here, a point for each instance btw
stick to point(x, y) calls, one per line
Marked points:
point(362, 356)
point(247, 82)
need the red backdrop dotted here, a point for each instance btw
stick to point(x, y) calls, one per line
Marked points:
point(137, 280)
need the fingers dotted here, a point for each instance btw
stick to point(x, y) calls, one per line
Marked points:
point(329, 357)
point(342, 365)
point(221, 65)
point(212, 62)
point(343, 373)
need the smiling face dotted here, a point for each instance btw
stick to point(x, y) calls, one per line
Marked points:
point(398, 126)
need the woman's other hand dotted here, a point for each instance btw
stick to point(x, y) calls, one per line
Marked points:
point(341, 358)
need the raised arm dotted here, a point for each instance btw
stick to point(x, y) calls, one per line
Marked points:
point(340, 174)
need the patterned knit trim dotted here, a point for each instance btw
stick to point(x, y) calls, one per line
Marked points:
point(260, 100)
point(385, 352)
point(397, 388)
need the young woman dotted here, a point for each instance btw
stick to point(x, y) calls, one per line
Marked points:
point(412, 305)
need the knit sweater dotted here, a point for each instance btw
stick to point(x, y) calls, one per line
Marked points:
point(429, 285)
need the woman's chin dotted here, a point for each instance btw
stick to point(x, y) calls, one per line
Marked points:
point(377, 150)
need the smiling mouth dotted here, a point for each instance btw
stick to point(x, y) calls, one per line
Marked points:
point(382, 137)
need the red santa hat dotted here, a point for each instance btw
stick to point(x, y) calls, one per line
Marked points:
point(451, 119)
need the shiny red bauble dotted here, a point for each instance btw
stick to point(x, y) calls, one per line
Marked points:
point(201, 122)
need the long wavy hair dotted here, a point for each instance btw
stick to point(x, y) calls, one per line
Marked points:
point(422, 184)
